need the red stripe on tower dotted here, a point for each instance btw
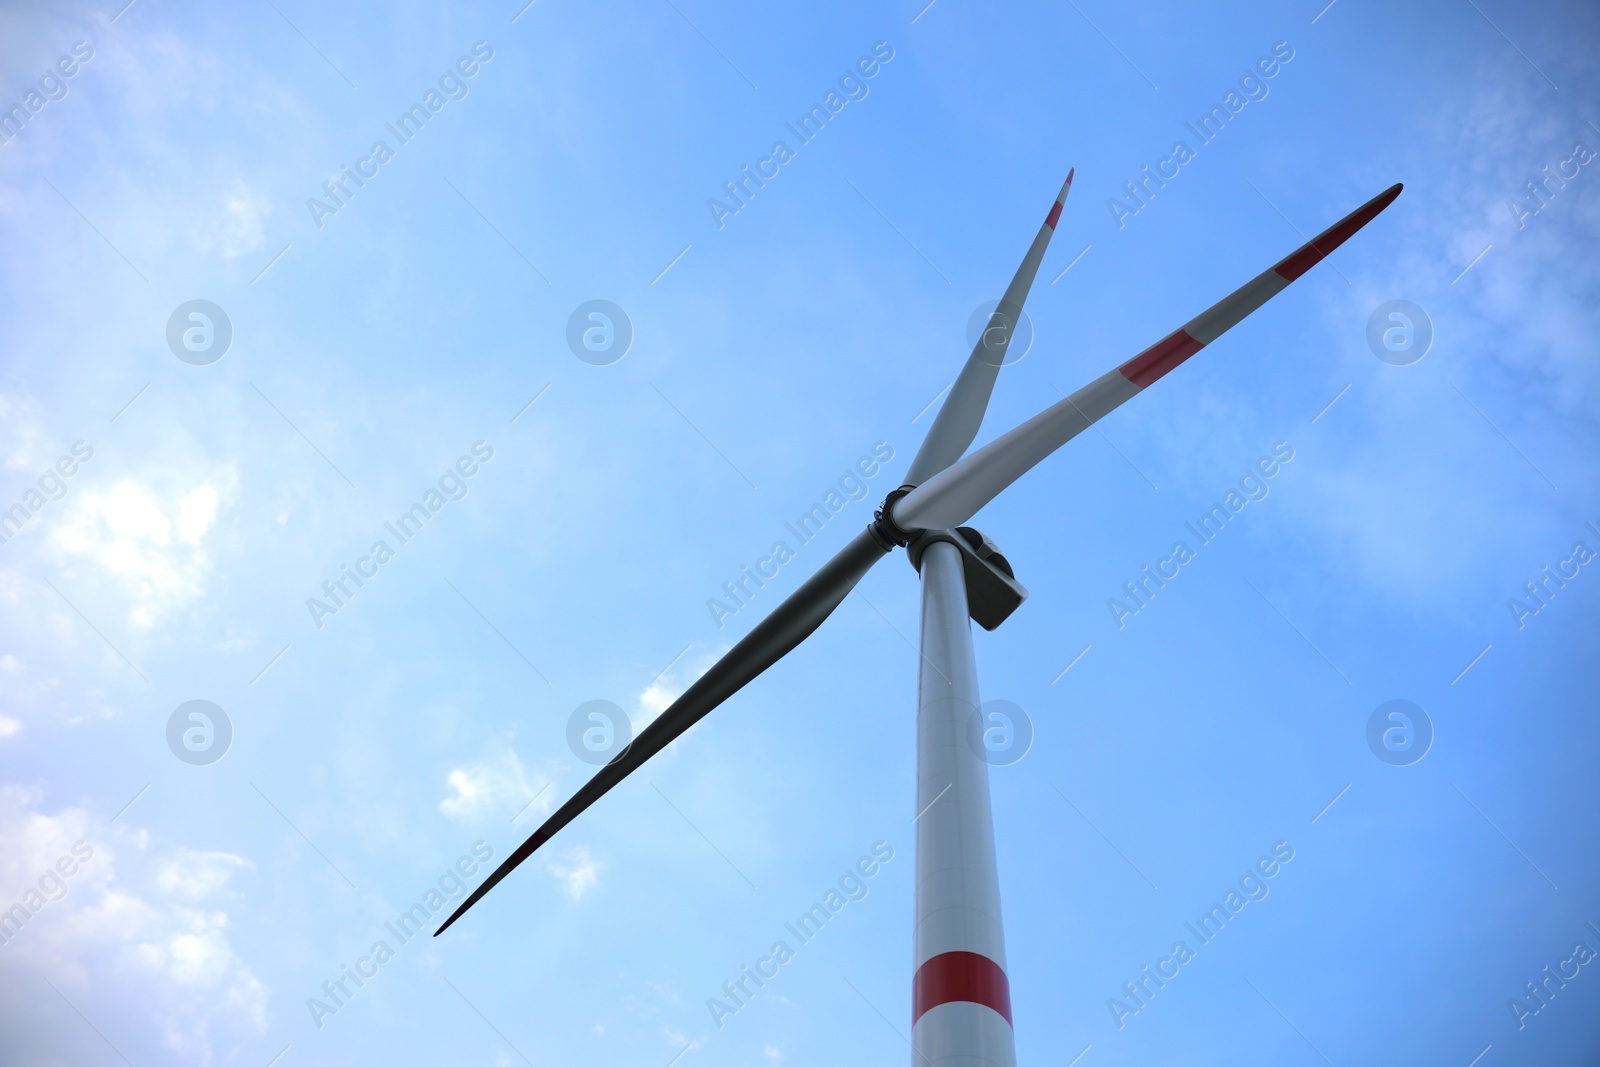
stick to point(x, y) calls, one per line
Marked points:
point(1149, 366)
point(960, 976)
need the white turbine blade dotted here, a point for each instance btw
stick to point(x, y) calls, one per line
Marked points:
point(956, 425)
point(954, 495)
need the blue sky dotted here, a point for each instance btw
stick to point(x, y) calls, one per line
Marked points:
point(371, 352)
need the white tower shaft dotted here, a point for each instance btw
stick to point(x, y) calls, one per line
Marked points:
point(961, 998)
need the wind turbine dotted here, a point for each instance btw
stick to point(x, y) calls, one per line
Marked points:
point(961, 998)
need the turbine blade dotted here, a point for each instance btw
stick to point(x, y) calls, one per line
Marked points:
point(772, 638)
point(956, 425)
point(954, 495)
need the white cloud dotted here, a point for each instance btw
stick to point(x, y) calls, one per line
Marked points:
point(579, 876)
point(93, 933)
point(26, 448)
point(238, 229)
point(191, 950)
point(31, 842)
point(9, 727)
point(670, 684)
point(192, 875)
point(656, 698)
point(147, 537)
point(1425, 452)
point(678, 1041)
point(494, 786)
point(196, 512)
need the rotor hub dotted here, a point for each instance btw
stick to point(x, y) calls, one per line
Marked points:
point(883, 525)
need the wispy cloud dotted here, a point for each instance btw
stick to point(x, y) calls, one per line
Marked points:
point(578, 875)
point(494, 786)
point(136, 924)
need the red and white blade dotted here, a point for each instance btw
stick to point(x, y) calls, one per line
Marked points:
point(957, 423)
point(954, 495)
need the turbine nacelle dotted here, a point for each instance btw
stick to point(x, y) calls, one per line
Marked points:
point(993, 591)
